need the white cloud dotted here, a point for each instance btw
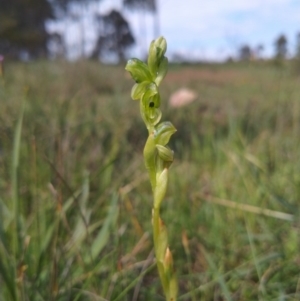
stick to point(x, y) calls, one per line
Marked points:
point(215, 24)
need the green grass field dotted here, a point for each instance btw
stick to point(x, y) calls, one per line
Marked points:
point(75, 201)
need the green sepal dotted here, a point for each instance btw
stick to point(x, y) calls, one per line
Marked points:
point(138, 70)
point(162, 71)
point(138, 90)
point(163, 132)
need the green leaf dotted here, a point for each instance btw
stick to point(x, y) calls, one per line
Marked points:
point(7, 275)
point(16, 238)
point(173, 286)
point(163, 132)
point(162, 242)
point(138, 70)
point(102, 238)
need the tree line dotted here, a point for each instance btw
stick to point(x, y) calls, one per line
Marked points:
point(247, 53)
point(24, 34)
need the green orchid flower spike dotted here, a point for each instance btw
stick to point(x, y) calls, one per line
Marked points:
point(157, 155)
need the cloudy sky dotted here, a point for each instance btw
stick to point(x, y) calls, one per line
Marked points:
point(212, 30)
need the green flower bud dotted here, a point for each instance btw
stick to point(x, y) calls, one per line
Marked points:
point(163, 132)
point(165, 153)
point(152, 63)
point(138, 70)
point(157, 50)
point(161, 187)
point(162, 71)
point(161, 43)
point(164, 158)
point(168, 260)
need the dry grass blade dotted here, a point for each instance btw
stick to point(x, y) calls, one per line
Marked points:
point(249, 208)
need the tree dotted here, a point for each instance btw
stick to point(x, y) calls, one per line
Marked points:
point(23, 27)
point(298, 46)
point(75, 11)
point(245, 53)
point(145, 6)
point(259, 51)
point(281, 47)
point(297, 55)
point(114, 37)
point(56, 45)
point(62, 7)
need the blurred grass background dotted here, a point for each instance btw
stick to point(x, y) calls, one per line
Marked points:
point(75, 201)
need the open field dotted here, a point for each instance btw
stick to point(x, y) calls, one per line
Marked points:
point(75, 201)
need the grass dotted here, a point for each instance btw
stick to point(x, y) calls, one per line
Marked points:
point(75, 203)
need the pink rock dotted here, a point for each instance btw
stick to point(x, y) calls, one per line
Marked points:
point(182, 97)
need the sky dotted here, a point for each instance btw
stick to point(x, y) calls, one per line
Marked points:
point(212, 30)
